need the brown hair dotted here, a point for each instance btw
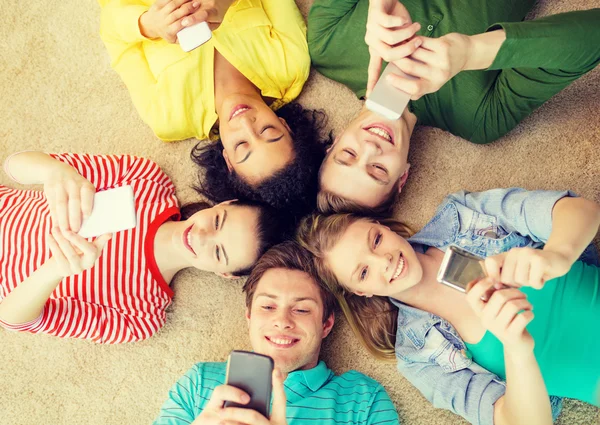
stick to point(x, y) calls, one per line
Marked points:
point(373, 320)
point(331, 203)
point(287, 255)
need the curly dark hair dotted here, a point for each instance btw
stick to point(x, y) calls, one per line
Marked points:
point(293, 189)
point(271, 229)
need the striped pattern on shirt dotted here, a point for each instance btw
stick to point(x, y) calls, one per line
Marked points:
point(123, 297)
point(314, 396)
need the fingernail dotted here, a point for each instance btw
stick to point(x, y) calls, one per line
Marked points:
point(245, 398)
point(195, 4)
point(185, 22)
point(418, 43)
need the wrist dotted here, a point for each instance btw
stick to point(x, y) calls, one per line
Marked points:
point(483, 48)
point(519, 355)
point(51, 271)
point(145, 27)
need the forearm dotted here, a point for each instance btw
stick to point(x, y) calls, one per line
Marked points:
point(26, 302)
point(575, 222)
point(526, 400)
point(31, 167)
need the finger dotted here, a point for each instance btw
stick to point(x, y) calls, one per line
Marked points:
point(404, 50)
point(74, 208)
point(386, 20)
point(519, 323)
point(87, 200)
point(414, 68)
point(61, 207)
point(522, 271)
point(172, 6)
point(375, 63)
point(185, 10)
point(161, 3)
point(279, 399)
point(507, 274)
point(424, 55)
point(497, 301)
point(245, 416)
point(68, 251)
point(510, 310)
point(196, 18)
point(78, 241)
point(224, 393)
point(412, 86)
point(57, 254)
point(393, 36)
point(475, 293)
point(493, 265)
point(536, 274)
point(52, 207)
point(433, 44)
point(101, 241)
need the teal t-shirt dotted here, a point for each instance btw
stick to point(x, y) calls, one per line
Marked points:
point(567, 312)
point(314, 396)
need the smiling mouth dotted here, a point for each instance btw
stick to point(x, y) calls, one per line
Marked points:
point(238, 110)
point(187, 239)
point(380, 131)
point(400, 268)
point(282, 341)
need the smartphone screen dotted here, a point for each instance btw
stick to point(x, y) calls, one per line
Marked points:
point(459, 268)
point(252, 373)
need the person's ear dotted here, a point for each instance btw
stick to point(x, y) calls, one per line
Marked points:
point(227, 275)
point(363, 294)
point(230, 201)
point(248, 316)
point(403, 178)
point(227, 161)
point(328, 325)
point(337, 139)
point(285, 124)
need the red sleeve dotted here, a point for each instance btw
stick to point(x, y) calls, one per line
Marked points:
point(107, 171)
point(71, 318)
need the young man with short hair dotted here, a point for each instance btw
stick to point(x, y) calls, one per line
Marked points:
point(289, 314)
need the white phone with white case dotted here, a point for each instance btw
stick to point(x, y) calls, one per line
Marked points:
point(387, 100)
point(113, 211)
point(195, 36)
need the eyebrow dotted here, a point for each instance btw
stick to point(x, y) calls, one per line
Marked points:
point(222, 247)
point(277, 139)
point(297, 299)
point(375, 179)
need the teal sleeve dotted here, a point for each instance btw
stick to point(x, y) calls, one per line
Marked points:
point(382, 410)
point(567, 41)
point(179, 409)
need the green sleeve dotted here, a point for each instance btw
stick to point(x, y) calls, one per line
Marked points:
point(336, 33)
point(382, 410)
point(567, 41)
point(180, 407)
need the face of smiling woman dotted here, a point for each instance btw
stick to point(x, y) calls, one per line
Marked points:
point(221, 239)
point(285, 319)
point(370, 259)
point(256, 142)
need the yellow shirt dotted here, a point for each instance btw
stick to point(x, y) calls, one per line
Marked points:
point(173, 90)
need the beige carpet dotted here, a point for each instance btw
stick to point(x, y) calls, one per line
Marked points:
point(59, 94)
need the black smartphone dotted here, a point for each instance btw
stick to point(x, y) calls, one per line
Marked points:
point(252, 373)
point(459, 268)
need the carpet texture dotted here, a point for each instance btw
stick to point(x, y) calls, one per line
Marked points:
point(59, 94)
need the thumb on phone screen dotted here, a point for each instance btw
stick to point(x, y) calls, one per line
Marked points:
point(279, 399)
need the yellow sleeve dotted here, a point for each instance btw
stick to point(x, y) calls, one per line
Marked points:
point(288, 23)
point(120, 33)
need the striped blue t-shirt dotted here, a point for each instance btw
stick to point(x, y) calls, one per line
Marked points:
point(314, 397)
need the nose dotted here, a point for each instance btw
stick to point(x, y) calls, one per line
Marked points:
point(205, 235)
point(382, 262)
point(283, 319)
point(370, 148)
point(247, 121)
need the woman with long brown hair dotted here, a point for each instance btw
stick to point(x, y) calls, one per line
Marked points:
point(473, 357)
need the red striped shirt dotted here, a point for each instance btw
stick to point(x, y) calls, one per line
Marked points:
point(123, 297)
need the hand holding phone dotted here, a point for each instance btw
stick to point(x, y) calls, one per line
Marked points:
point(194, 36)
point(387, 100)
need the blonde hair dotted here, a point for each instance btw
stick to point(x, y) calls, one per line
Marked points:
point(373, 320)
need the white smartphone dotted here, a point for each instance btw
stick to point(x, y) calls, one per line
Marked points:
point(113, 211)
point(387, 100)
point(195, 36)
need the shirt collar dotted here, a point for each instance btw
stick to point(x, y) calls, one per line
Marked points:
point(313, 378)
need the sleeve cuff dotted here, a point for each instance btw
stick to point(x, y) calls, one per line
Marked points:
point(21, 327)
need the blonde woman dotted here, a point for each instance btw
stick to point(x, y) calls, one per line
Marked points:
point(475, 358)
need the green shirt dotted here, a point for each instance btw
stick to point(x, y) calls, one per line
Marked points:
point(314, 396)
point(538, 58)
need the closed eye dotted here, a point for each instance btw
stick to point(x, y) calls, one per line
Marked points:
point(218, 253)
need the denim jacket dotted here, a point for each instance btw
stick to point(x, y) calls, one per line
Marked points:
point(430, 352)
